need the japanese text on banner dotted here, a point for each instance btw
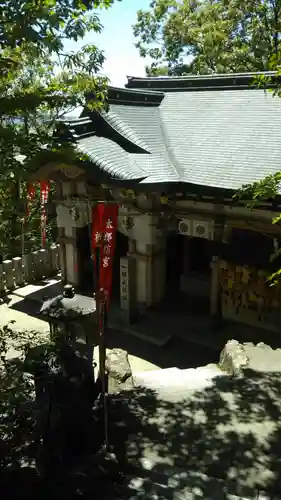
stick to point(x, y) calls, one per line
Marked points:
point(104, 228)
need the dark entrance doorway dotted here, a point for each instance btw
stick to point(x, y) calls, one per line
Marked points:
point(174, 262)
point(188, 276)
point(200, 256)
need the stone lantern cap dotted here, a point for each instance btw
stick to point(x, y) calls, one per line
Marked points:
point(68, 306)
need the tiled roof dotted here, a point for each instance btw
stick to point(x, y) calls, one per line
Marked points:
point(201, 82)
point(124, 129)
point(216, 138)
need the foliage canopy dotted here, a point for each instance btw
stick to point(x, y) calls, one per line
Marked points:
point(209, 36)
point(39, 82)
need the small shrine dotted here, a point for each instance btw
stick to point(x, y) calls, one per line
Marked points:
point(148, 208)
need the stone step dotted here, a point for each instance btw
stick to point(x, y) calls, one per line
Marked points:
point(157, 376)
point(190, 378)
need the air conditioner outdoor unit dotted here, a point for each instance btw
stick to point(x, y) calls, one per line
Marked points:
point(185, 227)
point(203, 229)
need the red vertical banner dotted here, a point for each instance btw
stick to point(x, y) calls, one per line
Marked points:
point(97, 225)
point(44, 194)
point(104, 226)
point(110, 219)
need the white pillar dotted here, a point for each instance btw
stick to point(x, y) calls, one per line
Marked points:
point(215, 292)
point(71, 215)
point(150, 256)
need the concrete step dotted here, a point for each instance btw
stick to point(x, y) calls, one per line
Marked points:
point(156, 376)
point(190, 378)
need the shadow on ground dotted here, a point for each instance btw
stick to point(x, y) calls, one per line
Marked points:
point(176, 353)
point(32, 300)
point(230, 430)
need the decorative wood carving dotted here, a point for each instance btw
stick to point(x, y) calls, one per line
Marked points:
point(70, 171)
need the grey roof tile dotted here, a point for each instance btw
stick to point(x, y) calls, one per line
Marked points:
point(124, 129)
point(111, 158)
point(222, 138)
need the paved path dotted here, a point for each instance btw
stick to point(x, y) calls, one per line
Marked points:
point(27, 326)
point(23, 306)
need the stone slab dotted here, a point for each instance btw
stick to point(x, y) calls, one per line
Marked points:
point(38, 292)
point(172, 381)
point(239, 358)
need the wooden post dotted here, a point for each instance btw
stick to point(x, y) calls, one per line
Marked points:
point(215, 292)
point(215, 299)
point(102, 312)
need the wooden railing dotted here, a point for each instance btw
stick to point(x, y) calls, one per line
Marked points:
point(37, 265)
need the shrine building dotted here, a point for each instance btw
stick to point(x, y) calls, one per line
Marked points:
point(172, 152)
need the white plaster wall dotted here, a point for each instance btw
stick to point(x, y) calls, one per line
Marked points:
point(143, 229)
point(64, 218)
point(65, 215)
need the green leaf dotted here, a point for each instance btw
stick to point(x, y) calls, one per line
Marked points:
point(207, 36)
point(39, 82)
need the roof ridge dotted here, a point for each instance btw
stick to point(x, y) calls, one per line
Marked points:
point(204, 76)
point(140, 97)
point(169, 151)
point(121, 130)
point(222, 81)
point(136, 91)
point(75, 128)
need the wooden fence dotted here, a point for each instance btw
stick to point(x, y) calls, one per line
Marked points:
point(35, 266)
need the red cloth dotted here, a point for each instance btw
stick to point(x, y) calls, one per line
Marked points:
point(97, 224)
point(110, 218)
point(104, 226)
point(44, 194)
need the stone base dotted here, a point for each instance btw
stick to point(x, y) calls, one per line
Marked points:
point(119, 371)
point(236, 358)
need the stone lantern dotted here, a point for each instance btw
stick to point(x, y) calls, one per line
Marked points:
point(64, 377)
point(73, 324)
